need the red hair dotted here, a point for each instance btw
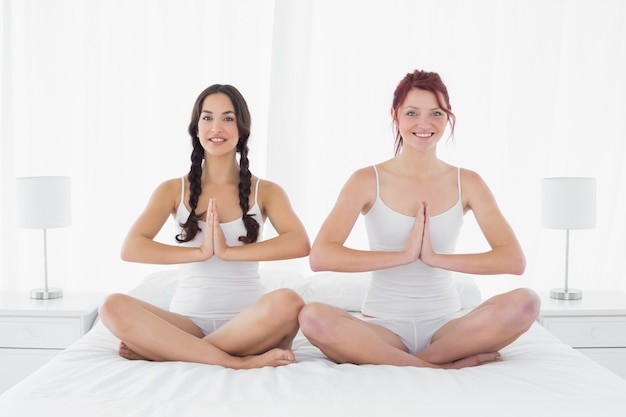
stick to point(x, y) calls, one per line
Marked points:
point(422, 80)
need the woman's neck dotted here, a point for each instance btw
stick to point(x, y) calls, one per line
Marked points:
point(220, 170)
point(420, 164)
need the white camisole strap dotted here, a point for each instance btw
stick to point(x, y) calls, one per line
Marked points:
point(182, 190)
point(377, 180)
point(458, 181)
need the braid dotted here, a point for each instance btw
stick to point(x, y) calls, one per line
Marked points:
point(190, 227)
point(252, 226)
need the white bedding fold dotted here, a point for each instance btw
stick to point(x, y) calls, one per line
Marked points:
point(539, 376)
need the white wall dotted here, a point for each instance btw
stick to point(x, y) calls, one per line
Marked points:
point(102, 91)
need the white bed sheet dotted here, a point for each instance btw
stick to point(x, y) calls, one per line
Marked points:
point(540, 376)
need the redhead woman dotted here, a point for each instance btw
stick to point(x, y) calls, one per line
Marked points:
point(413, 206)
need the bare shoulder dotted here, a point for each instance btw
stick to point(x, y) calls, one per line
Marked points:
point(168, 192)
point(170, 187)
point(269, 188)
point(172, 184)
point(270, 194)
point(359, 191)
point(362, 182)
point(363, 175)
point(474, 189)
point(471, 178)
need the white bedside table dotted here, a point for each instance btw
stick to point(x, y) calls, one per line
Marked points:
point(595, 325)
point(33, 331)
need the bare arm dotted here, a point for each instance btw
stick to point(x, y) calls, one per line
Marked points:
point(329, 252)
point(139, 244)
point(292, 240)
point(506, 255)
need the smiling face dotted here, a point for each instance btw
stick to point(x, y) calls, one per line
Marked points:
point(217, 126)
point(420, 120)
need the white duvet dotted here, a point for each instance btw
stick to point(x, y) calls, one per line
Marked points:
point(540, 376)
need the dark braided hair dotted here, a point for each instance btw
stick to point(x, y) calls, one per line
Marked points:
point(242, 114)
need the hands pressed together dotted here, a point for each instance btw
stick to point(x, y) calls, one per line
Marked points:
point(214, 243)
point(419, 246)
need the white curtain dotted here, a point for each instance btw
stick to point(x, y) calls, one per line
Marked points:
point(102, 91)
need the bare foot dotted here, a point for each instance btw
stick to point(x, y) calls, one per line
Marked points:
point(474, 360)
point(274, 357)
point(126, 352)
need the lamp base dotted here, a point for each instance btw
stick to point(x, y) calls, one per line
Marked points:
point(563, 294)
point(46, 294)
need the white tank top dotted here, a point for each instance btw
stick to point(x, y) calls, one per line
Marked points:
point(415, 290)
point(215, 288)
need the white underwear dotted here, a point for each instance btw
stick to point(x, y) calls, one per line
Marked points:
point(416, 334)
point(208, 326)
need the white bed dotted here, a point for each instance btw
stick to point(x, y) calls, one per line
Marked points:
point(540, 376)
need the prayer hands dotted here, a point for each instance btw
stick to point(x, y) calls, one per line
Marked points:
point(214, 243)
point(419, 246)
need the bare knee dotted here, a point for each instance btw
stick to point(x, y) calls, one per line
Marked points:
point(314, 319)
point(523, 307)
point(113, 311)
point(282, 305)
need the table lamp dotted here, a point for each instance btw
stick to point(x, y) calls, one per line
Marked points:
point(44, 203)
point(568, 203)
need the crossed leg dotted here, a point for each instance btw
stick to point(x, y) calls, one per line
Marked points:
point(259, 336)
point(491, 326)
point(348, 339)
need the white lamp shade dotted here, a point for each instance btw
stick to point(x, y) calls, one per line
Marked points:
point(568, 203)
point(43, 202)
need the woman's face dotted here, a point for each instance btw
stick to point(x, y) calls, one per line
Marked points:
point(420, 120)
point(217, 127)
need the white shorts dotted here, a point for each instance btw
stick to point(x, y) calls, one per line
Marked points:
point(416, 334)
point(207, 325)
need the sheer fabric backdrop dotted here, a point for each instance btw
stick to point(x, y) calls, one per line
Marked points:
point(102, 91)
